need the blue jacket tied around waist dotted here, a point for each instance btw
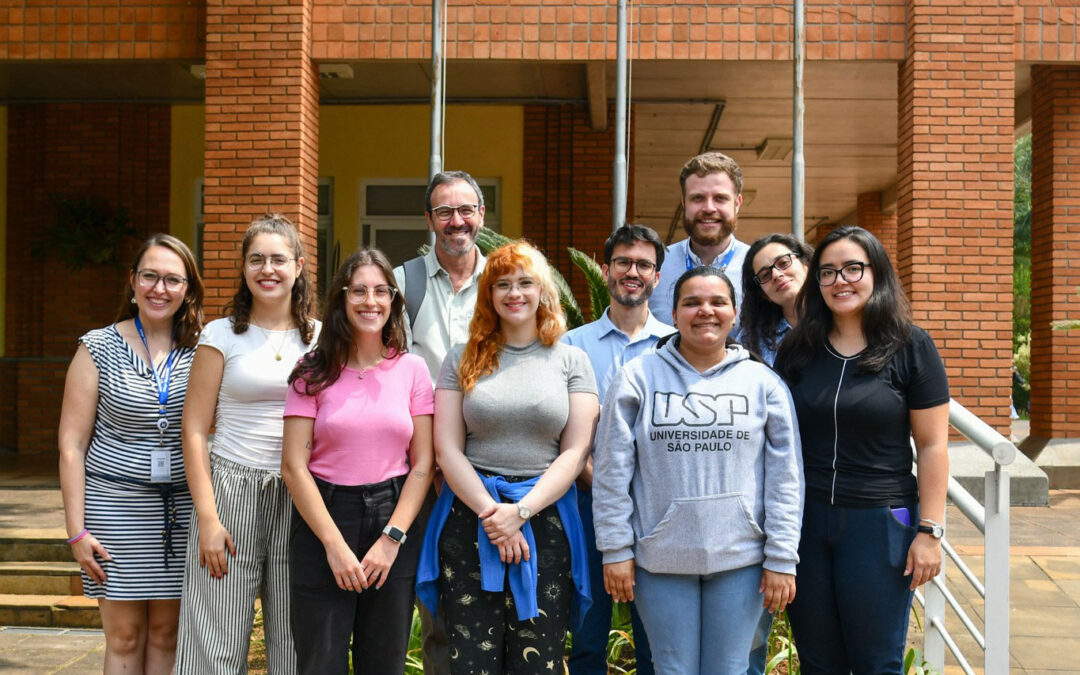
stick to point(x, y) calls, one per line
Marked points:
point(492, 569)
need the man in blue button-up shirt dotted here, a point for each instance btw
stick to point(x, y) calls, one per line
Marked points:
point(633, 255)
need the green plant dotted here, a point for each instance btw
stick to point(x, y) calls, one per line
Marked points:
point(599, 297)
point(86, 231)
point(1065, 324)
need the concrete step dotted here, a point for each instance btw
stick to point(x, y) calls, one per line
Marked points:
point(58, 611)
point(1028, 484)
point(40, 578)
point(30, 544)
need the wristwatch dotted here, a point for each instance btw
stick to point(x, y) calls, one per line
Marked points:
point(935, 530)
point(396, 534)
point(524, 512)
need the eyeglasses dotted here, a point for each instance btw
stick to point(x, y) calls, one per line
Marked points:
point(505, 285)
point(623, 265)
point(779, 263)
point(150, 278)
point(446, 212)
point(256, 261)
point(851, 272)
point(360, 293)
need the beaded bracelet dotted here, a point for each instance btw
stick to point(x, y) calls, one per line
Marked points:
point(78, 536)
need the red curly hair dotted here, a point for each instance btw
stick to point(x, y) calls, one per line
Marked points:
point(481, 355)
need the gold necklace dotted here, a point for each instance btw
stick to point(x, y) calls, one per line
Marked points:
point(363, 370)
point(281, 345)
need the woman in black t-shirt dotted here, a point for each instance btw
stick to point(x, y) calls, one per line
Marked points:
point(865, 381)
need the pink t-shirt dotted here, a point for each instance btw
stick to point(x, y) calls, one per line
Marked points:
point(363, 427)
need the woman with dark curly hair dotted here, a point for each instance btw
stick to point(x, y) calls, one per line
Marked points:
point(772, 277)
point(238, 545)
point(121, 468)
point(358, 462)
point(866, 383)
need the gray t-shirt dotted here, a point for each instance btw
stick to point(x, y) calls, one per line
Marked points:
point(514, 417)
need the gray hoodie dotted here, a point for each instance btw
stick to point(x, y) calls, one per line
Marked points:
point(698, 473)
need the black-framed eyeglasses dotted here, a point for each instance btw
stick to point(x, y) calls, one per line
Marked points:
point(445, 212)
point(150, 278)
point(779, 263)
point(622, 265)
point(358, 294)
point(256, 261)
point(851, 272)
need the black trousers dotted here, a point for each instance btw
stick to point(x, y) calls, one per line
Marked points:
point(324, 617)
point(485, 634)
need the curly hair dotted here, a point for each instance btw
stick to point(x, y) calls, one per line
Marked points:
point(303, 292)
point(481, 355)
point(711, 162)
point(759, 316)
point(886, 318)
point(322, 366)
point(188, 320)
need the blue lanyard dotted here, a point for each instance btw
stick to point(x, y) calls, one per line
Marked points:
point(723, 263)
point(162, 385)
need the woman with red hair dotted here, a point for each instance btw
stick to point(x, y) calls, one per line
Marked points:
point(515, 411)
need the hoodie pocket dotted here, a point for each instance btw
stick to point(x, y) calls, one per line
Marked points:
point(702, 535)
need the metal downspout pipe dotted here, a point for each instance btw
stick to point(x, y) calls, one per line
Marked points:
point(437, 89)
point(618, 211)
point(798, 161)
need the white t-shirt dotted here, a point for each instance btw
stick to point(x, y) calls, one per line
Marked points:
point(251, 401)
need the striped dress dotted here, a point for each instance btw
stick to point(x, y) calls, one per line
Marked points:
point(127, 518)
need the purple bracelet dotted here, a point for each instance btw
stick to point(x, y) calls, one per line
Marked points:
point(78, 536)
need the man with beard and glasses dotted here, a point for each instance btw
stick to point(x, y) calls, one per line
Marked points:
point(711, 197)
point(440, 295)
point(632, 258)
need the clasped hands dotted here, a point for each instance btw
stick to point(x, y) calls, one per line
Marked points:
point(503, 527)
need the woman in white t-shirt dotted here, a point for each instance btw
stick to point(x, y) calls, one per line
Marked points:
point(238, 545)
point(358, 461)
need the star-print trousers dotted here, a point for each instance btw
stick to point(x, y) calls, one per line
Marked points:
point(485, 634)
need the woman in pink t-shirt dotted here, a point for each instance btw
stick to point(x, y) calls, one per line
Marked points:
point(358, 461)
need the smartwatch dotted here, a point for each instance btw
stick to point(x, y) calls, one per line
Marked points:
point(396, 534)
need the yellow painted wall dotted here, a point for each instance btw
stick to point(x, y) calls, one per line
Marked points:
point(392, 141)
point(3, 226)
point(185, 169)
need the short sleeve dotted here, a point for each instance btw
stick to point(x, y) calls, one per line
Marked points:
point(422, 398)
point(298, 403)
point(579, 377)
point(94, 341)
point(216, 334)
point(928, 385)
point(448, 376)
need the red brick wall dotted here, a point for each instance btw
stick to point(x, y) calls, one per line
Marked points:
point(870, 216)
point(585, 29)
point(262, 130)
point(568, 188)
point(116, 152)
point(954, 192)
point(102, 29)
point(1055, 250)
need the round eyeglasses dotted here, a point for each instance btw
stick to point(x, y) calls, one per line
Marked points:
point(358, 294)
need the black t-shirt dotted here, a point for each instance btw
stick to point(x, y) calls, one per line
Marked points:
point(856, 427)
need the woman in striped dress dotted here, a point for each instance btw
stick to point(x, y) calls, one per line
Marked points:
point(239, 541)
point(121, 469)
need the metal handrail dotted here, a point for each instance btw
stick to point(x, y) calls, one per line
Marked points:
point(993, 521)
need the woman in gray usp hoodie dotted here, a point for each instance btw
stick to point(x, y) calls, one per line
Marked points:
point(698, 487)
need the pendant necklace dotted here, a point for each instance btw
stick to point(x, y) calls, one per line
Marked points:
point(281, 345)
point(364, 370)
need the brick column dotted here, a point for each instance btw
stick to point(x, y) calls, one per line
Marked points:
point(568, 187)
point(1055, 250)
point(262, 130)
point(955, 189)
point(869, 215)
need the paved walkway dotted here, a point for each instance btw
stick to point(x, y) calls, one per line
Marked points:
point(1045, 583)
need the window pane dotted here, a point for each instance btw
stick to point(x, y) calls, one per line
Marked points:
point(400, 245)
point(395, 200)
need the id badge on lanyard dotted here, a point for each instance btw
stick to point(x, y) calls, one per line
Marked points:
point(160, 459)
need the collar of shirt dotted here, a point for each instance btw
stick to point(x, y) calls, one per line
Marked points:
point(433, 267)
point(653, 328)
